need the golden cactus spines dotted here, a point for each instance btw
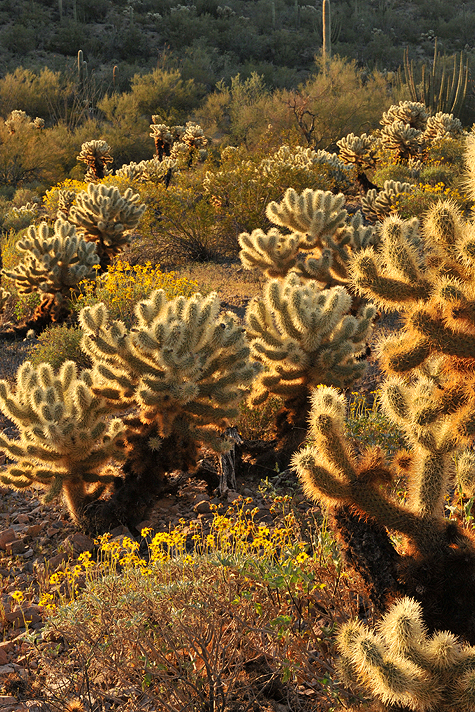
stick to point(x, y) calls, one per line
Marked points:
point(66, 441)
point(401, 664)
point(106, 217)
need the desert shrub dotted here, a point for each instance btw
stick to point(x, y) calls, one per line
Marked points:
point(183, 624)
point(256, 423)
point(416, 203)
point(33, 92)
point(123, 286)
point(57, 344)
point(182, 223)
point(393, 171)
point(161, 92)
point(369, 426)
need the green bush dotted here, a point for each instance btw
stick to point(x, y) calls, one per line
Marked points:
point(57, 344)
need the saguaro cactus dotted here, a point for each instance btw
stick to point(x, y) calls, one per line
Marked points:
point(65, 442)
point(327, 31)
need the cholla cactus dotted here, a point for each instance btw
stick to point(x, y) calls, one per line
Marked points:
point(301, 159)
point(304, 337)
point(406, 141)
point(358, 150)
point(19, 218)
point(400, 664)
point(153, 170)
point(320, 226)
point(66, 199)
point(19, 119)
point(96, 155)
point(430, 282)
point(412, 113)
point(187, 368)
point(65, 442)
point(442, 126)
point(107, 218)
point(193, 136)
point(378, 205)
point(162, 137)
point(4, 297)
point(53, 265)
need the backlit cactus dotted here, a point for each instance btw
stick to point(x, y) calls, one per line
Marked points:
point(405, 140)
point(358, 150)
point(153, 170)
point(320, 228)
point(96, 155)
point(379, 204)
point(106, 217)
point(430, 281)
point(4, 297)
point(65, 441)
point(304, 337)
point(53, 265)
point(401, 664)
point(187, 369)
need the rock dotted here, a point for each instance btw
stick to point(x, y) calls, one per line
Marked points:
point(19, 617)
point(79, 543)
point(146, 524)
point(165, 503)
point(55, 562)
point(28, 554)
point(3, 656)
point(5, 536)
point(232, 496)
point(34, 530)
point(120, 531)
point(23, 519)
point(7, 700)
point(202, 507)
point(7, 645)
point(15, 547)
point(6, 670)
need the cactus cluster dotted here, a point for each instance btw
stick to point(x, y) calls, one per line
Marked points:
point(106, 217)
point(96, 155)
point(178, 142)
point(4, 297)
point(319, 247)
point(305, 337)
point(18, 119)
point(429, 279)
point(65, 442)
point(186, 368)
point(53, 265)
point(154, 170)
point(379, 204)
point(401, 664)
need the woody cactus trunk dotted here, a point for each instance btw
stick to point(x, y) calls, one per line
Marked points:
point(429, 393)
